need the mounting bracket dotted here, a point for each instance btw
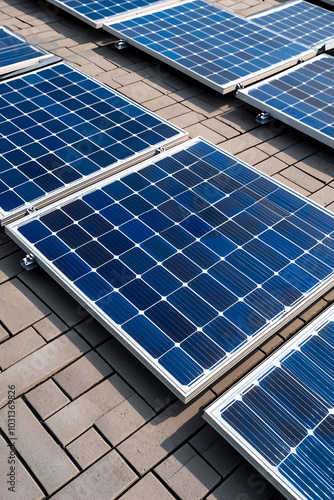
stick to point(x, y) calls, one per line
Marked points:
point(263, 118)
point(29, 262)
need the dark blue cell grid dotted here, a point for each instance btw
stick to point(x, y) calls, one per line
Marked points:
point(303, 95)
point(14, 50)
point(209, 42)
point(63, 126)
point(205, 283)
point(284, 411)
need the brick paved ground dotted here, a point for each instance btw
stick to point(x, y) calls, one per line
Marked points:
point(92, 422)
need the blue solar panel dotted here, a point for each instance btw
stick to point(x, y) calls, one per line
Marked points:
point(281, 416)
point(16, 53)
point(60, 127)
point(190, 258)
point(302, 97)
point(214, 46)
point(301, 21)
point(95, 12)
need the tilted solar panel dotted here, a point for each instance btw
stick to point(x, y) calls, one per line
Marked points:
point(281, 415)
point(16, 53)
point(216, 47)
point(61, 129)
point(96, 12)
point(190, 259)
point(302, 97)
point(301, 21)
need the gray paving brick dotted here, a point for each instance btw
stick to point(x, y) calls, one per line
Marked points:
point(43, 455)
point(93, 332)
point(292, 185)
point(221, 128)
point(50, 327)
point(140, 92)
point(325, 196)
point(312, 311)
point(187, 474)
point(3, 334)
point(88, 448)
point(297, 152)
point(68, 423)
point(291, 328)
point(271, 166)
point(187, 119)
point(270, 345)
point(104, 480)
point(198, 129)
point(317, 167)
point(41, 364)
point(252, 156)
point(216, 450)
point(47, 398)
point(240, 119)
point(140, 378)
point(24, 485)
point(304, 180)
point(19, 308)
point(54, 296)
point(245, 482)
point(19, 347)
point(150, 444)
point(8, 248)
point(124, 419)
point(83, 374)
point(148, 488)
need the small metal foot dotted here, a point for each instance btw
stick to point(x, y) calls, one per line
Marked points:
point(122, 44)
point(160, 150)
point(29, 262)
point(263, 118)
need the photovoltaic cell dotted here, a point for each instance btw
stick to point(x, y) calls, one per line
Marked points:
point(214, 46)
point(60, 128)
point(96, 12)
point(302, 97)
point(189, 282)
point(301, 21)
point(281, 416)
point(16, 53)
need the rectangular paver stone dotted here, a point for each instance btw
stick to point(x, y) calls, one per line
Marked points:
point(24, 485)
point(19, 307)
point(42, 454)
point(10, 266)
point(50, 327)
point(47, 398)
point(19, 347)
point(81, 414)
point(88, 448)
point(104, 480)
point(124, 419)
point(83, 374)
point(148, 488)
point(41, 364)
point(150, 444)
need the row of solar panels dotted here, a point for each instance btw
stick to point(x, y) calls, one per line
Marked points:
point(226, 51)
point(191, 258)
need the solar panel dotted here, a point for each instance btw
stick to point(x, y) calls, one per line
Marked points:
point(16, 53)
point(281, 415)
point(191, 259)
point(301, 97)
point(96, 12)
point(216, 47)
point(61, 129)
point(301, 21)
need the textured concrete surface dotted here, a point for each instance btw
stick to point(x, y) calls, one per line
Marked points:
point(92, 422)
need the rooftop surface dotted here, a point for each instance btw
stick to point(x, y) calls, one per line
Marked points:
point(91, 421)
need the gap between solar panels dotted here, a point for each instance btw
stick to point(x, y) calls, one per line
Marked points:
point(62, 130)
point(219, 49)
point(302, 97)
point(280, 417)
point(191, 259)
point(96, 13)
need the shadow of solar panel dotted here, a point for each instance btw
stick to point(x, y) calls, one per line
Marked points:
point(302, 97)
point(190, 293)
point(281, 416)
point(16, 53)
point(301, 21)
point(96, 12)
point(216, 47)
point(60, 128)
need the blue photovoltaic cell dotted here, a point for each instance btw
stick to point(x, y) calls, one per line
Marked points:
point(217, 47)
point(300, 21)
point(59, 127)
point(189, 284)
point(282, 414)
point(303, 97)
point(15, 52)
point(96, 11)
